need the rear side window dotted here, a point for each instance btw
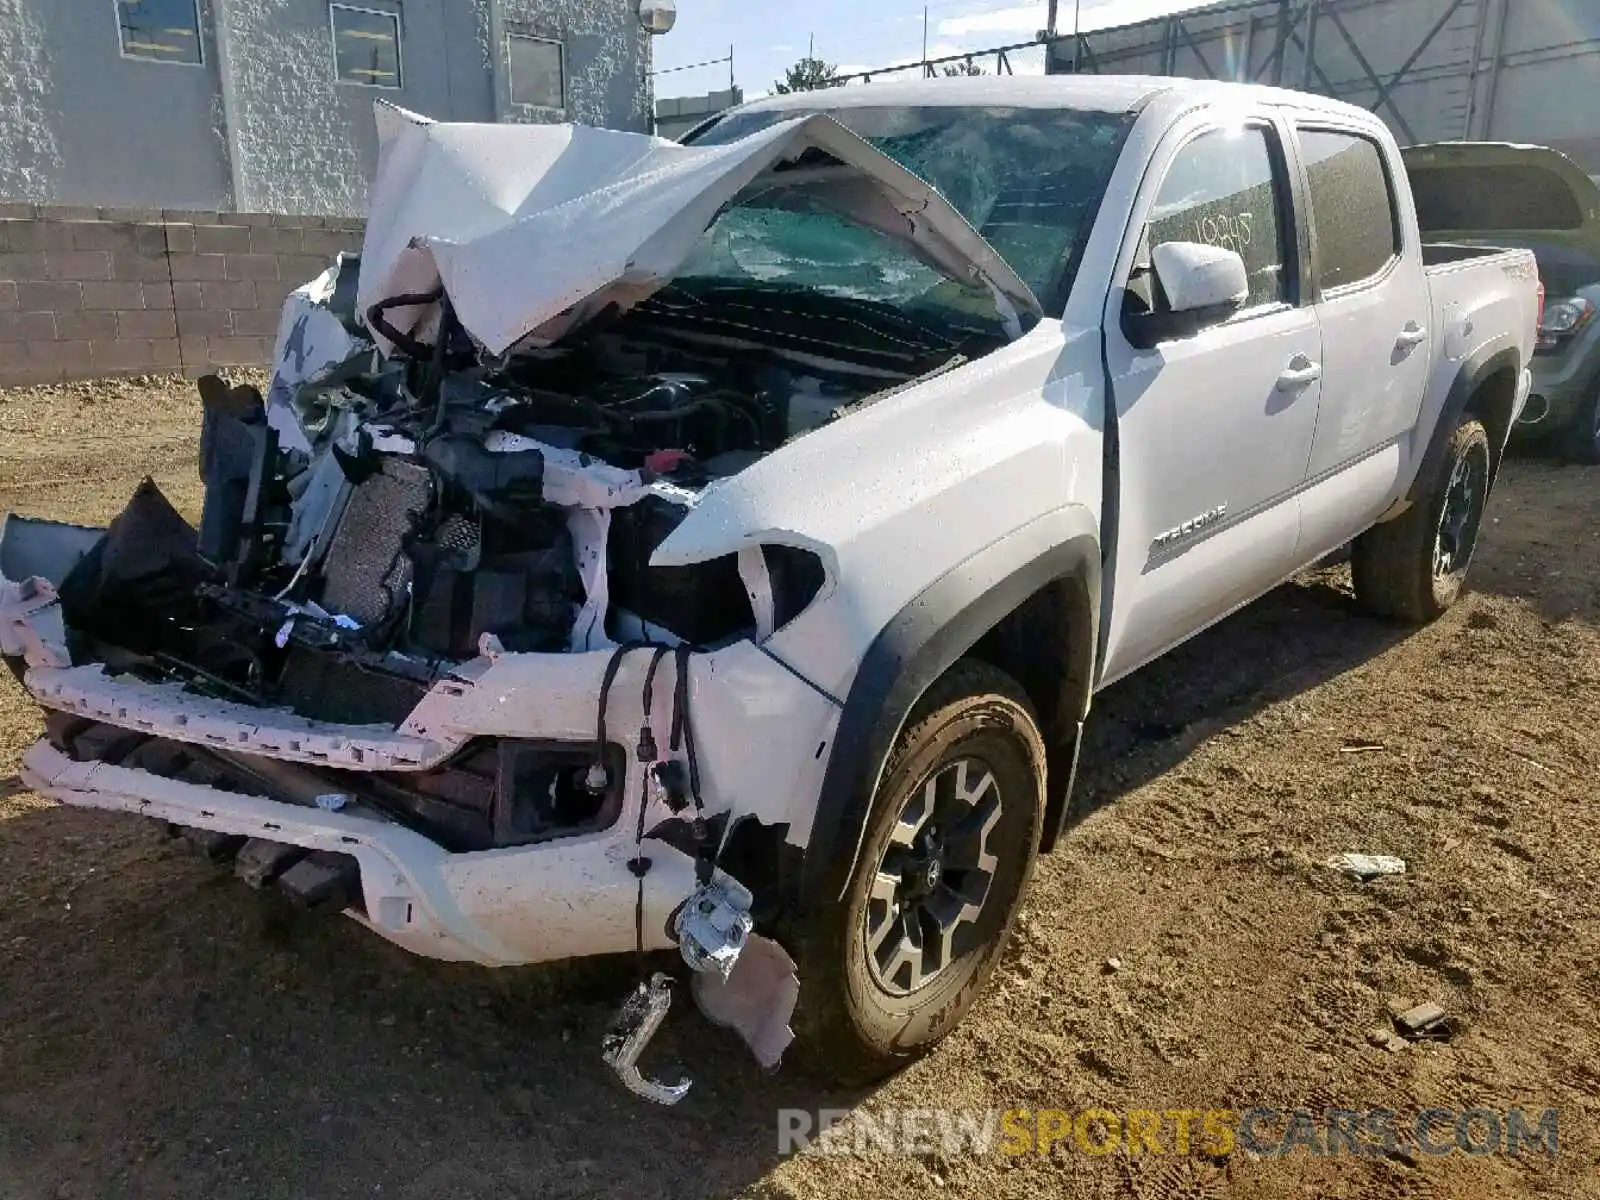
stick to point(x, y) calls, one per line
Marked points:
point(1480, 200)
point(1220, 191)
point(1352, 207)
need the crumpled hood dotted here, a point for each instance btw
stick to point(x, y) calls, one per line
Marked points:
point(534, 229)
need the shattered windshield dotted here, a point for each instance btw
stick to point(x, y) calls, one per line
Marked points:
point(1029, 180)
point(823, 252)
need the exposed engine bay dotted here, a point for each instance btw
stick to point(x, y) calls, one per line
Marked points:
point(369, 527)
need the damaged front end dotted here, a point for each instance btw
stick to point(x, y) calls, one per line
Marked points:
point(419, 661)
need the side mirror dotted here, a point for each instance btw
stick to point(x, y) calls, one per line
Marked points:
point(1203, 286)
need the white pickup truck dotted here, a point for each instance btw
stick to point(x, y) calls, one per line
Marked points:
point(718, 546)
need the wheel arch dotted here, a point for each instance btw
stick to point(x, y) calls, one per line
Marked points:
point(1028, 604)
point(1485, 387)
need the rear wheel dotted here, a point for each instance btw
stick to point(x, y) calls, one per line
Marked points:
point(1415, 567)
point(948, 850)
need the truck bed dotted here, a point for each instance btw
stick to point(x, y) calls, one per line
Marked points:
point(1449, 254)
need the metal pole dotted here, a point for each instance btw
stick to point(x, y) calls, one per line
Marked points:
point(1476, 68)
point(1077, 33)
point(1311, 42)
point(732, 86)
point(1283, 42)
point(1497, 53)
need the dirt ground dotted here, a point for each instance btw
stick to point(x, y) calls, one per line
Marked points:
point(1187, 948)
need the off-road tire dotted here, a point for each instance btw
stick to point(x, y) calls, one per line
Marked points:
point(1393, 564)
point(849, 1028)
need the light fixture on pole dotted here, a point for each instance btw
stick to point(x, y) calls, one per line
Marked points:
point(658, 16)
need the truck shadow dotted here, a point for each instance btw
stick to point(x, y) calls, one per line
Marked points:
point(1290, 641)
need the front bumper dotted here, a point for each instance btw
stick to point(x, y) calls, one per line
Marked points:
point(569, 898)
point(757, 729)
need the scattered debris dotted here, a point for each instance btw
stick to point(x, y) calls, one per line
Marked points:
point(1425, 1020)
point(630, 1032)
point(1386, 1039)
point(1536, 764)
point(1366, 867)
point(1113, 965)
point(1357, 746)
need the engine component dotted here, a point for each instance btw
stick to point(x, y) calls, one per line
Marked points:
point(367, 575)
point(500, 485)
point(517, 581)
point(329, 686)
point(703, 604)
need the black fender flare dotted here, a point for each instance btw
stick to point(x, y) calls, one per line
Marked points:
point(922, 641)
point(1469, 378)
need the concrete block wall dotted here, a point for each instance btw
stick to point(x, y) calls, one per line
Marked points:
point(90, 292)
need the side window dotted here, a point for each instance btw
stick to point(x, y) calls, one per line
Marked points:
point(1352, 207)
point(1219, 190)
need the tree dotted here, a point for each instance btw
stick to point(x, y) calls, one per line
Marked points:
point(808, 75)
point(966, 68)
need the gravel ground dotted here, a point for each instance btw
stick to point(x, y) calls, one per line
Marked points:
point(1187, 948)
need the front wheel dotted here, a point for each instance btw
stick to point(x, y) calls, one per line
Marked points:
point(948, 850)
point(1415, 566)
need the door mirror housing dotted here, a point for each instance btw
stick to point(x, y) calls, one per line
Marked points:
point(1197, 286)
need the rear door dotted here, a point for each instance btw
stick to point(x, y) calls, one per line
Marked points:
point(1372, 298)
point(1213, 430)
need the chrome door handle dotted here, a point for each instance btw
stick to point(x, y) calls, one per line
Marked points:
point(1301, 372)
point(1412, 335)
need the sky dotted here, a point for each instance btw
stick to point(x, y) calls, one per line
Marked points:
point(769, 35)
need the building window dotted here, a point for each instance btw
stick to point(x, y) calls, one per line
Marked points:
point(160, 30)
point(366, 46)
point(538, 71)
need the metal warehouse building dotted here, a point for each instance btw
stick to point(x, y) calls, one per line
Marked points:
point(1435, 70)
point(266, 105)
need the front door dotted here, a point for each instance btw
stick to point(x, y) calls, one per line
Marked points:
point(1213, 430)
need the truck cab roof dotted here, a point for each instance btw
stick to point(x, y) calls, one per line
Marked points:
point(1089, 93)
